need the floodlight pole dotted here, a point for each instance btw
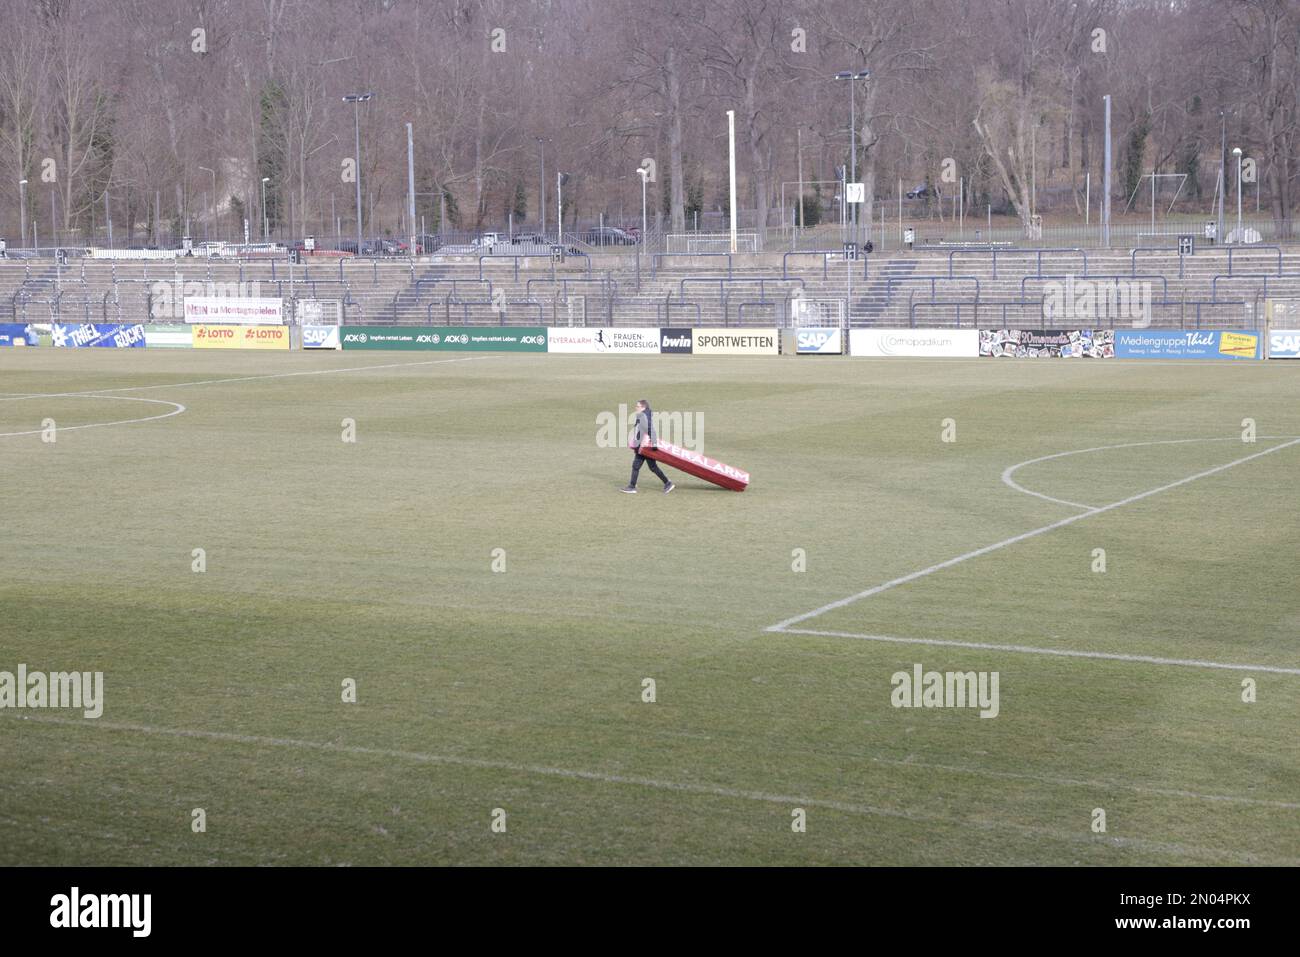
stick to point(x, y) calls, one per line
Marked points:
point(853, 159)
point(731, 152)
point(541, 197)
point(853, 76)
point(1105, 186)
point(645, 178)
point(1223, 180)
point(410, 186)
point(356, 99)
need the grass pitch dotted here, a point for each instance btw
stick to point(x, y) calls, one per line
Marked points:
point(522, 689)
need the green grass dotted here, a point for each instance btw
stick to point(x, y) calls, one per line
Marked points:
point(522, 690)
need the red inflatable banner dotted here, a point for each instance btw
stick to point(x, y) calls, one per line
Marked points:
point(701, 466)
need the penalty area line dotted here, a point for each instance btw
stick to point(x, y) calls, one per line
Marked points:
point(1032, 650)
point(786, 627)
point(1023, 536)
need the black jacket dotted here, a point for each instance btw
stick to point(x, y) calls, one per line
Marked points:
point(645, 426)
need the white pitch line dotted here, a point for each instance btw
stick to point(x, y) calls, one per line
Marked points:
point(684, 787)
point(1031, 650)
point(1023, 536)
point(908, 763)
point(1091, 785)
point(1012, 469)
point(248, 378)
point(177, 409)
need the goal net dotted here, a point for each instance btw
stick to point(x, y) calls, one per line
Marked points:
point(713, 243)
point(819, 313)
point(318, 312)
point(1283, 313)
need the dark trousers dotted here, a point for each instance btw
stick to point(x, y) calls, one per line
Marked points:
point(654, 469)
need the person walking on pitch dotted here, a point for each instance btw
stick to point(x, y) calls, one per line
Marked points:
point(645, 428)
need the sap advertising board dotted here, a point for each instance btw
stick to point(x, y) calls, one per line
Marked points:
point(825, 342)
point(954, 343)
point(1284, 344)
point(320, 337)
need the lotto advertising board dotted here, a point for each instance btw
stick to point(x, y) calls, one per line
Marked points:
point(240, 337)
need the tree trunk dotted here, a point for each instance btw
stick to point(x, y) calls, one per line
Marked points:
point(758, 173)
point(676, 177)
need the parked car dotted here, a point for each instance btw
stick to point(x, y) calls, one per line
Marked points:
point(487, 241)
point(608, 236)
point(920, 192)
point(426, 244)
point(529, 239)
point(372, 247)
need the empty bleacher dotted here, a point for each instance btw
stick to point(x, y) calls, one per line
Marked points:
point(1215, 288)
